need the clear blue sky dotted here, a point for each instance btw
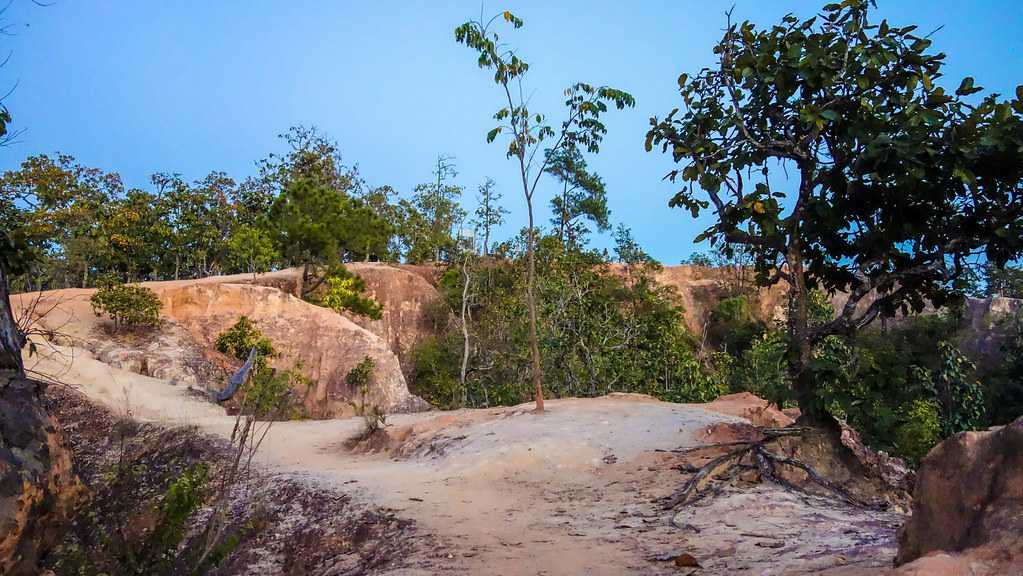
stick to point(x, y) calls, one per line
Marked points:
point(194, 86)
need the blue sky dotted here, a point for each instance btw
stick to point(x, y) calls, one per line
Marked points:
point(194, 86)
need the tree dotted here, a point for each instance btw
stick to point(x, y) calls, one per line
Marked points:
point(627, 249)
point(892, 182)
point(582, 196)
point(1007, 281)
point(489, 213)
point(436, 213)
point(308, 218)
point(527, 133)
point(250, 249)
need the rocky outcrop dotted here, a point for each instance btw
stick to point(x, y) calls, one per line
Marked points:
point(968, 506)
point(412, 307)
point(325, 346)
point(38, 487)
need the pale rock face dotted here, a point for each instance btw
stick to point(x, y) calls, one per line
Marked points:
point(968, 506)
point(410, 305)
point(323, 344)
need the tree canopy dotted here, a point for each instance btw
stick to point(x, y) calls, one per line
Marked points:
point(829, 148)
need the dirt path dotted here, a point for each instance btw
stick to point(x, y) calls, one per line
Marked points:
point(506, 491)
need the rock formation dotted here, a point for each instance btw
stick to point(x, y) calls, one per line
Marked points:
point(324, 345)
point(968, 506)
point(412, 307)
point(38, 487)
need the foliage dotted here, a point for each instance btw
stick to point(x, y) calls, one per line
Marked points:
point(582, 196)
point(358, 380)
point(919, 432)
point(427, 230)
point(489, 213)
point(1005, 382)
point(250, 249)
point(183, 498)
point(731, 326)
point(895, 182)
point(960, 396)
point(345, 292)
point(628, 250)
point(129, 305)
point(1007, 281)
point(435, 373)
point(764, 370)
point(599, 332)
point(269, 392)
point(528, 131)
point(70, 225)
point(242, 337)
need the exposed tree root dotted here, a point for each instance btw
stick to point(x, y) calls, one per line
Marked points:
point(754, 455)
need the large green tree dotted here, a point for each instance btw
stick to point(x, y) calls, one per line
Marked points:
point(830, 149)
point(529, 133)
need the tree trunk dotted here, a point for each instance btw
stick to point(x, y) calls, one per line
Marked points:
point(800, 347)
point(534, 345)
point(11, 339)
point(465, 327)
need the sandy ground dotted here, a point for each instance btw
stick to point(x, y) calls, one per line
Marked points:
point(506, 491)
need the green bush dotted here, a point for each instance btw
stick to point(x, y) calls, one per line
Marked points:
point(435, 376)
point(359, 379)
point(919, 432)
point(731, 326)
point(129, 305)
point(960, 396)
point(345, 292)
point(241, 337)
point(269, 392)
point(1004, 382)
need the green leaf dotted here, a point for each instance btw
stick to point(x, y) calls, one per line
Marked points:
point(493, 134)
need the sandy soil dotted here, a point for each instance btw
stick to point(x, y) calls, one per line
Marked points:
point(506, 491)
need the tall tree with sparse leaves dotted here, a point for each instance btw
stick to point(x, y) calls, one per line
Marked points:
point(529, 133)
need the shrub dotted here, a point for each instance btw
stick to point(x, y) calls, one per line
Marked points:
point(919, 432)
point(241, 337)
point(269, 392)
point(359, 379)
point(129, 305)
point(435, 374)
point(345, 293)
point(731, 326)
point(960, 397)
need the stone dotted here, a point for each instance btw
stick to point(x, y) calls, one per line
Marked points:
point(38, 487)
point(968, 505)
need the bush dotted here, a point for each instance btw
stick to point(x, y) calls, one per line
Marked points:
point(359, 379)
point(345, 293)
point(268, 393)
point(435, 376)
point(129, 305)
point(960, 397)
point(919, 431)
point(731, 327)
point(241, 337)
